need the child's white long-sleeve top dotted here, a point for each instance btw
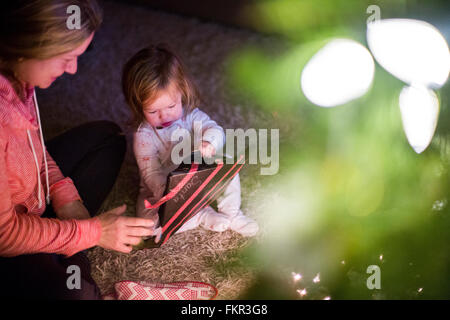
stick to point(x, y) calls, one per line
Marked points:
point(153, 153)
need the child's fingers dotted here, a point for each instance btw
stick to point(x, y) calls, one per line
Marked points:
point(204, 152)
point(208, 151)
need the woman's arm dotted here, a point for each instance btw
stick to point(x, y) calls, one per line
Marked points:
point(23, 233)
point(73, 210)
point(66, 201)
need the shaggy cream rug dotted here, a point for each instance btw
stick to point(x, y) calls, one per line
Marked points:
point(94, 93)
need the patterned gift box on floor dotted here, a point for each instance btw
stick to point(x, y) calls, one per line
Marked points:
point(184, 290)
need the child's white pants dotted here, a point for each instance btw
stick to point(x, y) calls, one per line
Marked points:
point(228, 204)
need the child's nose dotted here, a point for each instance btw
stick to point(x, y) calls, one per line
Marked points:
point(163, 115)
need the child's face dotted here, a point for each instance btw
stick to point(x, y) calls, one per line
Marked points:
point(165, 109)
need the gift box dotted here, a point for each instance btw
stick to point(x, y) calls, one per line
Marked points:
point(142, 290)
point(191, 187)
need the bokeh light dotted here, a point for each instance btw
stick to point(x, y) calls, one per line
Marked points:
point(412, 50)
point(420, 109)
point(341, 71)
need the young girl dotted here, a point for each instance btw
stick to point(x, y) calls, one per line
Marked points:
point(163, 99)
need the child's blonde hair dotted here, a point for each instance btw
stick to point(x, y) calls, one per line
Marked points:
point(150, 70)
point(37, 29)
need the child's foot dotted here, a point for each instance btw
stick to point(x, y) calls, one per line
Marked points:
point(209, 219)
point(192, 223)
point(244, 225)
point(214, 221)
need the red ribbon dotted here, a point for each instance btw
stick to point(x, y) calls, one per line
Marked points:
point(175, 190)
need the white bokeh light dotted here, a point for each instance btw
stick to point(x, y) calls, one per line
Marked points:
point(419, 108)
point(341, 71)
point(412, 50)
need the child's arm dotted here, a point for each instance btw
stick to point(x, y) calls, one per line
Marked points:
point(212, 132)
point(151, 171)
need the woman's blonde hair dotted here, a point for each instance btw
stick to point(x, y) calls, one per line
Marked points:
point(150, 70)
point(38, 29)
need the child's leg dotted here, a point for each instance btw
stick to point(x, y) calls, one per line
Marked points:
point(209, 219)
point(192, 223)
point(214, 221)
point(229, 215)
point(229, 204)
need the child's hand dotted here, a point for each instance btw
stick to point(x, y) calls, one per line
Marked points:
point(207, 150)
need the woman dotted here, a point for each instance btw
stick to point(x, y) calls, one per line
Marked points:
point(38, 242)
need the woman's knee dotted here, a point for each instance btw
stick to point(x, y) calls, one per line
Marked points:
point(110, 127)
point(104, 128)
point(114, 130)
point(86, 291)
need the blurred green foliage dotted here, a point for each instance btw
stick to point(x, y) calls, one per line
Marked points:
point(351, 192)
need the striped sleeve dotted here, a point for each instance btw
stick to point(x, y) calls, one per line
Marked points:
point(62, 189)
point(24, 233)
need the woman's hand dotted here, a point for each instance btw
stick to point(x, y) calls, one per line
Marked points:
point(73, 210)
point(121, 233)
point(207, 150)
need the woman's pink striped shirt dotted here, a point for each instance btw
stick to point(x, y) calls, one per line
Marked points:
point(22, 230)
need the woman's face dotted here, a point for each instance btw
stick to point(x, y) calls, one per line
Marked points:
point(42, 73)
